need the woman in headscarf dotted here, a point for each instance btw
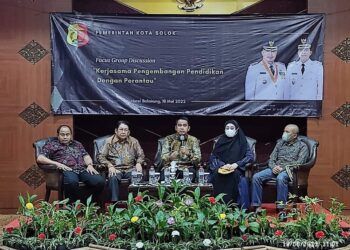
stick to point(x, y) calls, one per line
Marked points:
point(227, 162)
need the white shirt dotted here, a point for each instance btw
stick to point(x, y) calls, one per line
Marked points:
point(261, 84)
point(307, 86)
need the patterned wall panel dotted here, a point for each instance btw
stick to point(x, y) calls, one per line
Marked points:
point(342, 114)
point(33, 176)
point(333, 136)
point(21, 83)
point(342, 177)
point(33, 52)
point(342, 50)
point(34, 114)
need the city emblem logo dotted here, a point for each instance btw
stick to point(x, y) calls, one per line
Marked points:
point(77, 35)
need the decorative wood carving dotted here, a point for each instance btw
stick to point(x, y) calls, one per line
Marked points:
point(34, 114)
point(33, 176)
point(343, 50)
point(33, 52)
point(342, 177)
point(342, 114)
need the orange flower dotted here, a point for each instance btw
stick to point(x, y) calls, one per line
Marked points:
point(212, 200)
point(272, 225)
point(138, 198)
point(41, 236)
point(77, 230)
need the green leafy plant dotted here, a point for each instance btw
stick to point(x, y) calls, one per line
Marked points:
point(176, 219)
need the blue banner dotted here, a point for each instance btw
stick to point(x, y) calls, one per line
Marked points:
point(153, 65)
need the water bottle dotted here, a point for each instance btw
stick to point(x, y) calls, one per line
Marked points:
point(173, 169)
point(173, 166)
point(186, 177)
point(134, 176)
point(151, 175)
point(201, 176)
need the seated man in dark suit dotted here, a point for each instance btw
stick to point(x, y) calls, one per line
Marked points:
point(71, 157)
point(182, 148)
point(288, 152)
point(121, 153)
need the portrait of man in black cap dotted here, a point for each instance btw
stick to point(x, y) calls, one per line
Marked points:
point(266, 79)
point(305, 76)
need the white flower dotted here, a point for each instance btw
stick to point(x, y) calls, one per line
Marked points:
point(206, 242)
point(139, 245)
point(175, 233)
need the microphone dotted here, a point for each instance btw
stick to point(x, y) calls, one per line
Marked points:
point(182, 140)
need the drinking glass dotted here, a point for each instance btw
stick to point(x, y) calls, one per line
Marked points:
point(133, 177)
point(156, 178)
point(167, 176)
point(206, 178)
point(139, 177)
point(187, 180)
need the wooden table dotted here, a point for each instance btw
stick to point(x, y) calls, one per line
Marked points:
point(206, 189)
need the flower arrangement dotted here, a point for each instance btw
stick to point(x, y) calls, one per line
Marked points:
point(176, 219)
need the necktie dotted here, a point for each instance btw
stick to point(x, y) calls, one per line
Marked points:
point(272, 69)
point(302, 68)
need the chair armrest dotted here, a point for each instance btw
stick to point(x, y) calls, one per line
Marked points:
point(256, 167)
point(53, 176)
point(302, 168)
point(48, 167)
point(301, 175)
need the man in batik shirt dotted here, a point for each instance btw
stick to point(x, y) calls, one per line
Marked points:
point(71, 157)
point(121, 153)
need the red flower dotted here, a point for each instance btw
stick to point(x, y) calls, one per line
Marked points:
point(278, 233)
point(212, 200)
point(320, 234)
point(272, 225)
point(112, 237)
point(138, 198)
point(41, 236)
point(10, 230)
point(244, 237)
point(345, 234)
point(77, 230)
